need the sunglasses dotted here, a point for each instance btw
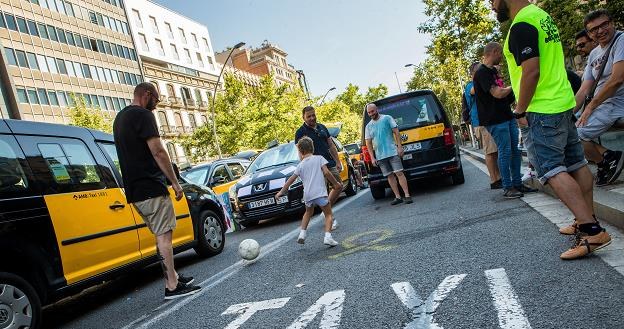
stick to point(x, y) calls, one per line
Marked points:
point(580, 45)
point(154, 97)
point(604, 25)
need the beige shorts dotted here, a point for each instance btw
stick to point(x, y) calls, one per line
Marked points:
point(334, 173)
point(489, 147)
point(158, 214)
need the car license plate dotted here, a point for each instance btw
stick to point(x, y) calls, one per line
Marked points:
point(407, 157)
point(282, 199)
point(412, 147)
point(261, 203)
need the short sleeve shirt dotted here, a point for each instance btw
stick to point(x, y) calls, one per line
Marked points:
point(594, 63)
point(311, 173)
point(142, 177)
point(491, 110)
point(319, 136)
point(382, 137)
point(471, 100)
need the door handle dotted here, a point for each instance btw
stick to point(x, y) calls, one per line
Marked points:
point(117, 205)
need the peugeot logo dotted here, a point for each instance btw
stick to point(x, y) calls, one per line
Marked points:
point(4, 316)
point(403, 137)
point(259, 187)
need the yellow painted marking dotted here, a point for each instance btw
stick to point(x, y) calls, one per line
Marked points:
point(422, 133)
point(352, 246)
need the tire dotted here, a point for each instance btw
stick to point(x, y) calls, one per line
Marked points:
point(351, 189)
point(458, 177)
point(378, 192)
point(18, 296)
point(210, 234)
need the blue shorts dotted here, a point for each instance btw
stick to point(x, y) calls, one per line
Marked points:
point(555, 145)
point(321, 202)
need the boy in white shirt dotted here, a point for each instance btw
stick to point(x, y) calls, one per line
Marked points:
point(313, 171)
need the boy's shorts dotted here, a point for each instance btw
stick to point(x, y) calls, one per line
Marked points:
point(321, 202)
point(158, 214)
point(390, 165)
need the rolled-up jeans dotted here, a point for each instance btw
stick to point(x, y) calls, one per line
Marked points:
point(505, 135)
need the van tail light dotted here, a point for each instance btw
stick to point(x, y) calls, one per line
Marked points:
point(449, 139)
point(365, 155)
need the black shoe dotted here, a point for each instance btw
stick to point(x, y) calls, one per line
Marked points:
point(185, 279)
point(612, 166)
point(526, 189)
point(407, 200)
point(396, 201)
point(181, 290)
point(512, 193)
point(601, 175)
point(497, 185)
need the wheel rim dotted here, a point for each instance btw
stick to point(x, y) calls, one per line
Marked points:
point(213, 232)
point(15, 308)
point(353, 185)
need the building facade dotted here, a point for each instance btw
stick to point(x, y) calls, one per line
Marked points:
point(56, 50)
point(177, 57)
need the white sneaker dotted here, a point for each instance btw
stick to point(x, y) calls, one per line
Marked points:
point(334, 225)
point(330, 241)
point(301, 238)
point(528, 175)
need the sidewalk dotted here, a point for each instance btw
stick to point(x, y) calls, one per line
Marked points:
point(608, 200)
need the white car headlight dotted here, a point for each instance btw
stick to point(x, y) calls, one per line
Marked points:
point(296, 183)
point(232, 192)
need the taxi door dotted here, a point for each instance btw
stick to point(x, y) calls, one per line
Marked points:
point(94, 227)
point(342, 155)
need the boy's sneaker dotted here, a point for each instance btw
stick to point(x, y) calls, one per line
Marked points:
point(396, 201)
point(613, 164)
point(408, 200)
point(497, 185)
point(185, 279)
point(584, 244)
point(512, 193)
point(526, 189)
point(181, 290)
point(328, 240)
point(528, 175)
point(301, 238)
point(334, 224)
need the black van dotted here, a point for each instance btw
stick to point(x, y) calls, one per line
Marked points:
point(65, 224)
point(427, 137)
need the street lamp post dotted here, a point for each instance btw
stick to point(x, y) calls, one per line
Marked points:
point(330, 89)
point(397, 77)
point(214, 96)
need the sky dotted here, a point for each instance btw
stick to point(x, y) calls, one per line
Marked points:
point(335, 42)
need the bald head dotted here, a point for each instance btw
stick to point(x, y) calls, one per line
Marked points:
point(146, 95)
point(371, 110)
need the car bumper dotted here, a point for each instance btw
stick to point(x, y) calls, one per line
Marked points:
point(438, 169)
point(295, 204)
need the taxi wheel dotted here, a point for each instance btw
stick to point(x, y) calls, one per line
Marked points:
point(378, 192)
point(351, 189)
point(20, 306)
point(211, 234)
point(458, 177)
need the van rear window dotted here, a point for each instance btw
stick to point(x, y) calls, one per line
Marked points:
point(412, 112)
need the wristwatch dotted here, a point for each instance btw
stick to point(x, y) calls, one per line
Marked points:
point(519, 115)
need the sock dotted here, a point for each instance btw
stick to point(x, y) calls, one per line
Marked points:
point(591, 229)
point(302, 234)
point(327, 235)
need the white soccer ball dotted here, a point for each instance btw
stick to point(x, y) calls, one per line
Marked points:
point(249, 249)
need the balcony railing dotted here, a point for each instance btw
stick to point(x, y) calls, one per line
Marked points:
point(202, 104)
point(188, 129)
point(175, 101)
point(168, 130)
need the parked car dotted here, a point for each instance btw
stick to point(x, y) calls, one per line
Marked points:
point(65, 224)
point(427, 138)
point(253, 196)
point(247, 154)
point(354, 150)
point(219, 175)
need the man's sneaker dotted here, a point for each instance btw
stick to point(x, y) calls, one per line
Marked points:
point(301, 238)
point(584, 244)
point(407, 200)
point(334, 224)
point(497, 185)
point(512, 193)
point(181, 290)
point(526, 189)
point(330, 241)
point(185, 279)
point(396, 201)
point(528, 175)
point(570, 229)
point(613, 165)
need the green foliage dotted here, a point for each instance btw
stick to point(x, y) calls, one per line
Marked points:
point(81, 116)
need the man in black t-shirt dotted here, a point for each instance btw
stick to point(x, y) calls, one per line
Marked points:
point(493, 106)
point(145, 166)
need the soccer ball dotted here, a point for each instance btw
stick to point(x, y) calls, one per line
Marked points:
point(249, 249)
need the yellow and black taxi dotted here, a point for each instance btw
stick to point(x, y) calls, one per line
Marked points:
point(427, 138)
point(65, 224)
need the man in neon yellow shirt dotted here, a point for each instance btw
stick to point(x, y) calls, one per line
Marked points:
point(544, 103)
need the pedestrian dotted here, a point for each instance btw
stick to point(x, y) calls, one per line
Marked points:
point(383, 141)
point(494, 108)
point(584, 45)
point(323, 146)
point(145, 166)
point(313, 172)
point(487, 142)
point(601, 96)
point(535, 59)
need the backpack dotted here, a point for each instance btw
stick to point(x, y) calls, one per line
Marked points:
point(465, 109)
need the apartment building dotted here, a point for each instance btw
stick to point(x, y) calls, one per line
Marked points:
point(56, 51)
point(177, 57)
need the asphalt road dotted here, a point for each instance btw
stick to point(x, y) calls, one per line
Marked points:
point(458, 257)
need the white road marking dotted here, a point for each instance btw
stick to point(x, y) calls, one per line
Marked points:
point(167, 308)
point(247, 310)
point(423, 312)
point(331, 305)
point(510, 312)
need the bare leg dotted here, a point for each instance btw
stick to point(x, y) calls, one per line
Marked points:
point(593, 151)
point(165, 249)
point(333, 195)
point(585, 180)
point(569, 191)
point(309, 211)
point(403, 182)
point(329, 217)
point(394, 186)
point(491, 161)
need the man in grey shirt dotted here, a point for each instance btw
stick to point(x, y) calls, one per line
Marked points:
point(607, 104)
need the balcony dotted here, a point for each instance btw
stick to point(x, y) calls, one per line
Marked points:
point(168, 130)
point(163, 100)
point(188, 130)
point(190, 103)
point(202, 105)
point(175, 101)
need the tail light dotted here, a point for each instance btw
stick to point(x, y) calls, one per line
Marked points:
point(449, 139)
point(365, 155)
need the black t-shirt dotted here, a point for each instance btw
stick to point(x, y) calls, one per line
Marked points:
point(491, 110)
point(142, 177)
point(575, 81)
point(319, 136)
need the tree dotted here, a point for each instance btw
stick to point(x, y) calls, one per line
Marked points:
point(81, 116)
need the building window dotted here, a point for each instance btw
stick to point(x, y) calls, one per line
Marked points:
point(61, 66)
point(43, 65)
point(143, 42)
point(43, 96)
point(154, 24)
point(169, 30)
point(22, 96)
point(162, 118)
point(192, 120)
point(199, 59)
point(10, 56)
point(32, 61)
point(188, 59)
point(212, 66)
point(206, 45)
point(170, 90)
point(21, 58)
point(194, 37)
point(33, 98)
point(21, 25)
point(198, 96)
point(174, 51)
point(10, 22)
point(53, 99)
point(159, 47)
point(137, 18)
point(182, 35)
